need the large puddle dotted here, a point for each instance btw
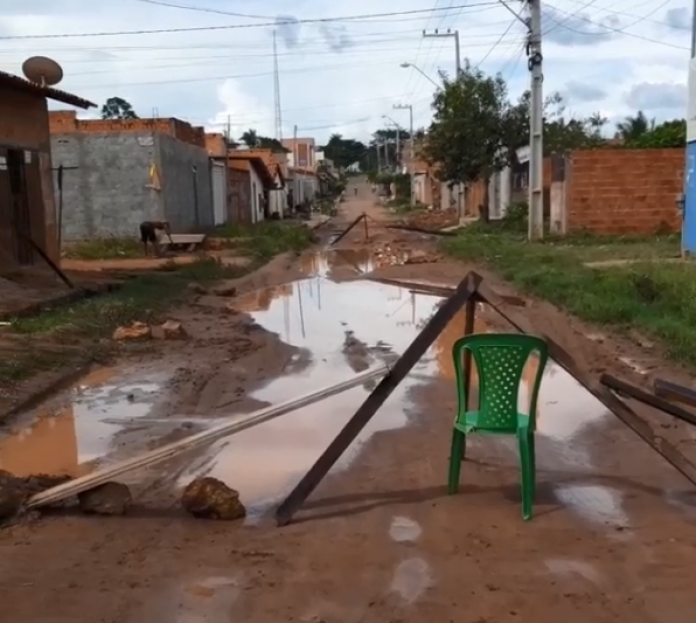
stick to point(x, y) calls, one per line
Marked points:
point(338, 329)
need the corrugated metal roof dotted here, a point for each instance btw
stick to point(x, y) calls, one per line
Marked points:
point(20, 84)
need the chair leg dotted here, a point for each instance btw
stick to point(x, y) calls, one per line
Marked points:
point(532, 460)
point(527, 483)
point(457, 454)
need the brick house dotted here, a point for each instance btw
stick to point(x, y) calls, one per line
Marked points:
point(28, 208)
point(121, 172)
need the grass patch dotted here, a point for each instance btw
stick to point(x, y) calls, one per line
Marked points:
point(656, 298)
point(85, 324)
point(264, 240)
point(144, 298)
point(105, 249)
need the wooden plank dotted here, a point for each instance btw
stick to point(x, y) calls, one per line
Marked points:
point(622, 387)
point(375, 400)
point(420, 230)
point(592, 384)
point(169, 451)
point(186, 238)
point(674, 392)
point(345, 232)
point(438, 289)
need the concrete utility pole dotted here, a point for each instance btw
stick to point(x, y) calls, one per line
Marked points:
point(448, 33)
point(536, 124)
point(689, 198)
point(412, 164)
point(398, 140)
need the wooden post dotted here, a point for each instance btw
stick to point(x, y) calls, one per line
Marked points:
point(367, 233)
point(675, 392)
point(347, 229)
point(435, 326)
point(622, 387)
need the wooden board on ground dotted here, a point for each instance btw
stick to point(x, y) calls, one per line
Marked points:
point(189, 242)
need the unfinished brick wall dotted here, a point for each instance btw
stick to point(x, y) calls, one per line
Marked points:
point(624, 191)
point(66, 122)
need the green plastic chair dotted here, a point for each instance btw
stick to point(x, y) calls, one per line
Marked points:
point(499, 359)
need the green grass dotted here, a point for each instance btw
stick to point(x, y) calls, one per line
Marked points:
point(105, 249)
point(656, 298)
point(86, 326)
point(266, 239)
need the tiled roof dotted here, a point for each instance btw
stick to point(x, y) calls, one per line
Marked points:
point(20, 84)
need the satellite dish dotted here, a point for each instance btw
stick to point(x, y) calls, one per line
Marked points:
point(42, 70)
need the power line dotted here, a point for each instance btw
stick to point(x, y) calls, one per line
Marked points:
point(497, 43)
point(318, 20)
point(645, 18)
point(608, 28)
point(184, 7)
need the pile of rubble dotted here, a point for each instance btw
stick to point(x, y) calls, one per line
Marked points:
point(433, 219)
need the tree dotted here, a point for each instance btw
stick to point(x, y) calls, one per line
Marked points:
point(250, 139)
point(632, 128)
point(666, 135)
point(117, 108)
point(472, 129)
point(344, 151)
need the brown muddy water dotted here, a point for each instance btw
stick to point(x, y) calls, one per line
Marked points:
point(338, 328)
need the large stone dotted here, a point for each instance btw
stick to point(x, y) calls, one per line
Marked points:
point(111, 498)
point(210, 498)
point(12, 495)
point(172, 330)
point(137, 331)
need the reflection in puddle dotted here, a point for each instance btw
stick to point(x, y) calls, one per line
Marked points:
point(595, 503)
point(404, 530)
point(411, 579)
point(340, 328)
point(67, 435)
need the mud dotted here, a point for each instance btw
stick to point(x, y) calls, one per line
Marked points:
point(379, 540)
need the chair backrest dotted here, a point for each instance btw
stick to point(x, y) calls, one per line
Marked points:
point(499, 360)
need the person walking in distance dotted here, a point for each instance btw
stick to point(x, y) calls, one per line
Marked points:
point(148, 234)
point(355, 191)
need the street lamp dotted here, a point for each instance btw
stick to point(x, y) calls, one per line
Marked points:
point(420, 71)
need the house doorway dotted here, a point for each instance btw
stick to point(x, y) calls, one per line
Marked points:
point(15, 216)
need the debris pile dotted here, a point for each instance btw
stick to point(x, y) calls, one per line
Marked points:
point(172, 330)
point(433, 219)
point(210, 498)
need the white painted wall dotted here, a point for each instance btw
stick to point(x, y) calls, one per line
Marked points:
point(219, 182)
point(256, 197)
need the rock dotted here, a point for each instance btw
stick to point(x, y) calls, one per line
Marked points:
point(210, 498)
point(137, 331)
point(111, 498)
point(172, 330)
point(225, 290)
point(196, 288)
point(12, 495)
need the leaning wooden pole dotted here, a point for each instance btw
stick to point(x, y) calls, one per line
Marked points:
point(345, 232)
point(236, 425)
point(435, 326)
point(612, 402)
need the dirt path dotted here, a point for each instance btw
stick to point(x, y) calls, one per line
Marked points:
point(380, 540)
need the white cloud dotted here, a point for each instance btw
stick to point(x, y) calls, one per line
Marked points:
point(344, 76)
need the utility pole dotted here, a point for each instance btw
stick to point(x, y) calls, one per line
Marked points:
point(536, 124)
point(379, 159)
point(276, 92)
point(688, 242)
point(453, 34)
point(412, 164)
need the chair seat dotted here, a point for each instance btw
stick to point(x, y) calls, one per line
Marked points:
point(470, 423)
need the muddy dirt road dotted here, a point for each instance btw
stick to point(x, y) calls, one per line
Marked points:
point(380, 540)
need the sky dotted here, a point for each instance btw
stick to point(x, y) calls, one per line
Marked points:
point(340, 62)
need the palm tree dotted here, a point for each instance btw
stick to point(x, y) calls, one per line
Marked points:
point(632, 128)
point(250, 138)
